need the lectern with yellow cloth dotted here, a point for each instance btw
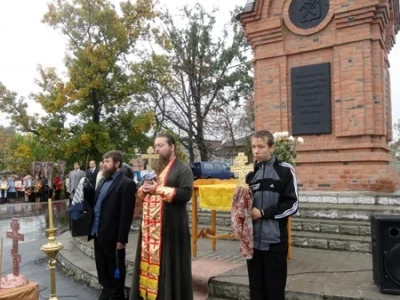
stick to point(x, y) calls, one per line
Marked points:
point(216, 195)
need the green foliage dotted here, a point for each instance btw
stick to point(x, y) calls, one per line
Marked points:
point(94, 108)
point(18, 151)
point(196, 74)
point(286, 147)
point(6, 136)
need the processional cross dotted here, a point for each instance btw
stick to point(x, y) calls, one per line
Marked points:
point(150, 156)
point(240, 166)
point(16, 237)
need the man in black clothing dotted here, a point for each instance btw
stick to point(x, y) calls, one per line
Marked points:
point(163, 263)
point(112, 213)
point(91, 173)
point(274, 188)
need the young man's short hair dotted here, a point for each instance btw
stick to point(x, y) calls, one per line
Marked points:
point(264, 135)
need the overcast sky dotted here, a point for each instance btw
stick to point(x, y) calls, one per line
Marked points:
point(26, 42)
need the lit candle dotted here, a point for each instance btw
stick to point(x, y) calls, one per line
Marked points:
point(50, 214)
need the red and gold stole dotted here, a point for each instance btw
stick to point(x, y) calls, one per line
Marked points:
point(150, 257)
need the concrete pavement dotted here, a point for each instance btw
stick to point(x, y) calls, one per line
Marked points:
point(34, 266)
point(313, 274)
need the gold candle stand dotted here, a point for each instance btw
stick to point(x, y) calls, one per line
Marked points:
point(51, 249)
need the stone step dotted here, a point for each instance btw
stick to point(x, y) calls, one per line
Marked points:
point(344, 211)
point(321, 240)
point(332, 241)
point(321, 211)
point(229, 287)
point(81, 267)
point(350, 227)
point(86, 248)
point(362, 198)
point(349, 198)
point(77, 259)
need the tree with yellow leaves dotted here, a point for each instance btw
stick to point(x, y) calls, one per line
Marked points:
point(94, 108)
point(18, 151)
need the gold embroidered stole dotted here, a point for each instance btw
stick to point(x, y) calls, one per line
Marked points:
point(150, 257)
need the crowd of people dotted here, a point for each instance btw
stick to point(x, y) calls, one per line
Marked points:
point(163, 257)
point(15, 188)
point(40, 187)
point(106, 197)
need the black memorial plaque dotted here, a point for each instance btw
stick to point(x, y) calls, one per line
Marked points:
point(306, 14)
point(311, 99)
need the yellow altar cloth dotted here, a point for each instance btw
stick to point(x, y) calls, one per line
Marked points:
point(217, 196)
point(200, 182)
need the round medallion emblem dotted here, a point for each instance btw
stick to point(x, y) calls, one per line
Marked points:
point(306, 14)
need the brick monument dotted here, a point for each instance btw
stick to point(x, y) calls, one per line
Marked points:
point(322, 72)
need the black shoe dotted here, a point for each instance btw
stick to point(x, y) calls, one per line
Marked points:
point(105, 295)
point(115, 297)
point(118, 294)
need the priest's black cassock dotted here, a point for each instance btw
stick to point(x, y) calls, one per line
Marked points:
point(163, 263)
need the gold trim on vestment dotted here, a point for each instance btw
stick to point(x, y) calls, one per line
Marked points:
point(140, 194)
point(150, 257)
point(167, 193)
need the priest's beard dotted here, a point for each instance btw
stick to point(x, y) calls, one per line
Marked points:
point(109, 172)
point(162, 162)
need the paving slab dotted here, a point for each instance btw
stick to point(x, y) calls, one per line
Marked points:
point(312, 275)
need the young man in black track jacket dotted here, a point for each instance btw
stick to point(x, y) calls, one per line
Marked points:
point(274, 189)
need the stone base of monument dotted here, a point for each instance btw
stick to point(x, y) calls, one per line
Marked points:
point(11, 281)
point(326, 220)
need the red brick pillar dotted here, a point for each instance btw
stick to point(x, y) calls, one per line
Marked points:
point(347, 147)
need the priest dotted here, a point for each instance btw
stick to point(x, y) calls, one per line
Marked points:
point(163, 264)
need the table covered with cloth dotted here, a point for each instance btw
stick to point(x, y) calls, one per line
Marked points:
point(217, 195)
point(26, 292)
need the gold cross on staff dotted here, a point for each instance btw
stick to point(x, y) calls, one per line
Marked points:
point(150, 156)
point(240, 166)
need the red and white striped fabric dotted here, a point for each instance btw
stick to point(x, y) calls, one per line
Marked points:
point(242, 224)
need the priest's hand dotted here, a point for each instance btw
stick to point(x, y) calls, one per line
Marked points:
point(149, 187)
point(255, 213)
point(120, 246)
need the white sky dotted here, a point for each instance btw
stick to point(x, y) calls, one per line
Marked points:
point(26, 42)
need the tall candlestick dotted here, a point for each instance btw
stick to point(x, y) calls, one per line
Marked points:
point(50, 214)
